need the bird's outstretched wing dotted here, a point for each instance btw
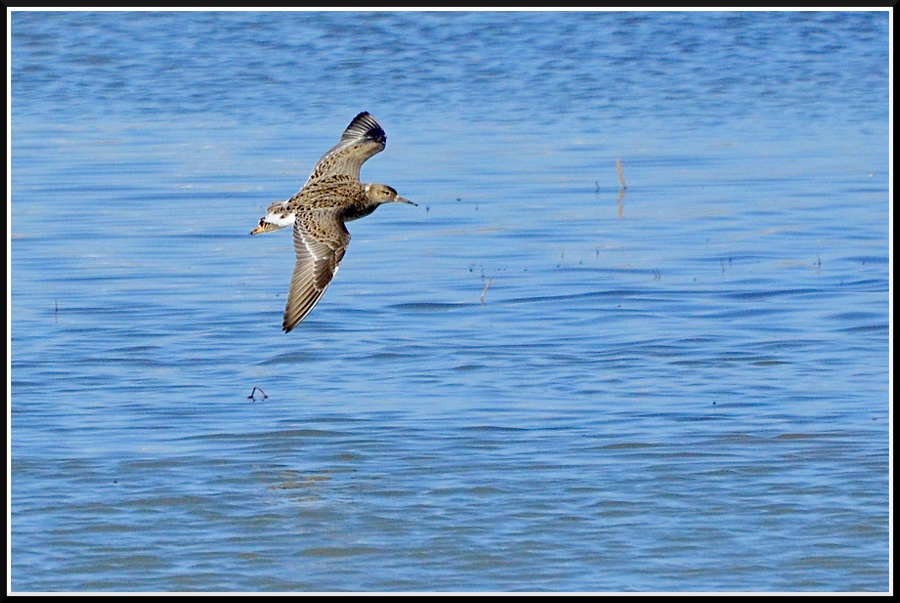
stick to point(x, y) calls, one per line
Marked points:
point(362, 139)
point(320, 240)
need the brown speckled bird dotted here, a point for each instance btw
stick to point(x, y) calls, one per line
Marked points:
point(332, 196)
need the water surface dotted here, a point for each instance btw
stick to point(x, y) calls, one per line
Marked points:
point(534, 380)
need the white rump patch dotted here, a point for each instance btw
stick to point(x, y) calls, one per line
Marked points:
point(279, 220)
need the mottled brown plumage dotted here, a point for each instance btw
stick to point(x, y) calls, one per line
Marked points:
point(332, 196)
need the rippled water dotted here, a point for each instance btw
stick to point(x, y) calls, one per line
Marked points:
point(533, 381)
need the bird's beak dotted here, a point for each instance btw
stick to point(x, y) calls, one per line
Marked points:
point(400, 199)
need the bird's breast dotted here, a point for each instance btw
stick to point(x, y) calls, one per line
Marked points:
point(356, 211)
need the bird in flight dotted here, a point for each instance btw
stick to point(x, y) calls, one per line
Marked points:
point(331, 196)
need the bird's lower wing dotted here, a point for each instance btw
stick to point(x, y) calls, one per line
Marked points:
point(320, 241)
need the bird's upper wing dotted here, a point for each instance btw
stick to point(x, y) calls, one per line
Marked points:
point(362, 139)
point(320, 240)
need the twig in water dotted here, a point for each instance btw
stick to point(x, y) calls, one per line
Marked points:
point(252, 395)
point(485, 289)
point(619, 172)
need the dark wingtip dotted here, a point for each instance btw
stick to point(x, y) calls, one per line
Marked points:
point(365, 126)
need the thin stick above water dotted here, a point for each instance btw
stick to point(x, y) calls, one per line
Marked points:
point(481, 300)
point(619, 172)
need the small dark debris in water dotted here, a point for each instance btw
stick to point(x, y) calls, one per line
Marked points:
point(657, 275)
point(427, 209)
point(252, 395)
point(597, 185)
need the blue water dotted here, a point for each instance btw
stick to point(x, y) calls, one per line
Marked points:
point(534, 380)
